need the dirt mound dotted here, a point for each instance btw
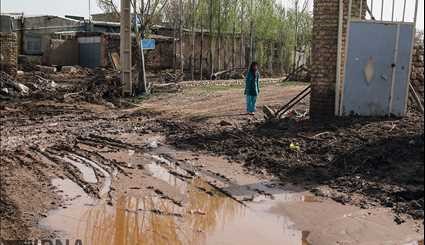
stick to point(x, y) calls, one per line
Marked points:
point(364, 161)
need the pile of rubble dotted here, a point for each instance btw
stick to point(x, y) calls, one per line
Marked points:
point(69, 84)
point(9, 87)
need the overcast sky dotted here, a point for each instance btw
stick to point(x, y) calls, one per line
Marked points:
point(81, 8)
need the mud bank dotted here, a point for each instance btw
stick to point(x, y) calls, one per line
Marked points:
point(364, 162)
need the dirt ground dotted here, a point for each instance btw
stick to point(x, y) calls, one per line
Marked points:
point(362, 161)
point(194, 160)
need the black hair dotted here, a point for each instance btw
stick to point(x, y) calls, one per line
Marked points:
point(251, 67)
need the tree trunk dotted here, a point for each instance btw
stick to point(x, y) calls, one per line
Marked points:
point(282, 58)
point(234, 45)
point(201, 56)
point(174, 49)
point(296, 37)
point(181, 35)
point(192, 68)
point(242, 37)
point(251, 45)
point(271, 58)
point(211, 38)
point(219, 36)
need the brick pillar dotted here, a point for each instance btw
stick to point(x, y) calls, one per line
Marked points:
point(324, 54)
point(8, 53)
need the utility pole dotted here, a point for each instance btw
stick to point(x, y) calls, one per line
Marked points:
point(144, 84)
point(125, 47)
point(89, 11)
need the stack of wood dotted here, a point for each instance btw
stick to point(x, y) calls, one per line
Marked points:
point(170, 77)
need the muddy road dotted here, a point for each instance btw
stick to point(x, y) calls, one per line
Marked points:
point(190, 168)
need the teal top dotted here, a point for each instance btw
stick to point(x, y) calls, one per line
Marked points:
point(252, 84)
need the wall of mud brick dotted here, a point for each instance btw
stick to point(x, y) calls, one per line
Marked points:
point(62, 53)
point(111, 43)
point(227, 58)
point(325, 52)
point(8, 53)
point(417, 76)
point(161, 57)
point(225, 83)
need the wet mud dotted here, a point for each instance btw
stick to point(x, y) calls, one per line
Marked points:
point(114, 176)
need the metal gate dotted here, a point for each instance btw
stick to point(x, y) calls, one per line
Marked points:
point(377, 69)
point(373, 67)
point(90, 51)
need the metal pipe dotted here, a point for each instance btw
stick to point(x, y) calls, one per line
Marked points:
point(382, 9)
point(416, 97)
point(301, 94)
point(339, 58)
point(392, 14)
point(361, 9)
point(394, 67)
point(416, 12)
point(412, 47)
point(347, 38)
point(404, 10)
point(294, 104)
point(371, 6)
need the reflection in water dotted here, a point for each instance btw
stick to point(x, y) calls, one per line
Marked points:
point(208, 217)
point(153, 221)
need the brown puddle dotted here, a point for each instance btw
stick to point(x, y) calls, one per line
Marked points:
point(206, 219)
point(210, 217)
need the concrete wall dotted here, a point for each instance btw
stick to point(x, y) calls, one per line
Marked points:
point(324, 54)
point(8, 53)
point(42, 27)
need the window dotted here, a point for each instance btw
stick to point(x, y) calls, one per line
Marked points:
point(33, 45)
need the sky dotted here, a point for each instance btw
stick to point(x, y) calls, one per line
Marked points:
point(81, 8)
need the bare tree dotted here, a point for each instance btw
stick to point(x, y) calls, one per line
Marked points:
point(144, 16)
point(211, 32)
point(181, 35)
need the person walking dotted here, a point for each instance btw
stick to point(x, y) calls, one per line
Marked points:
point(252, 88)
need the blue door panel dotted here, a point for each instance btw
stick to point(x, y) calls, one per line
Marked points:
point(402, 75)
point(373, 44)
point(369, 41)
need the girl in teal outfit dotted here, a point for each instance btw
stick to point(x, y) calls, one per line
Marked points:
point(252, 88)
